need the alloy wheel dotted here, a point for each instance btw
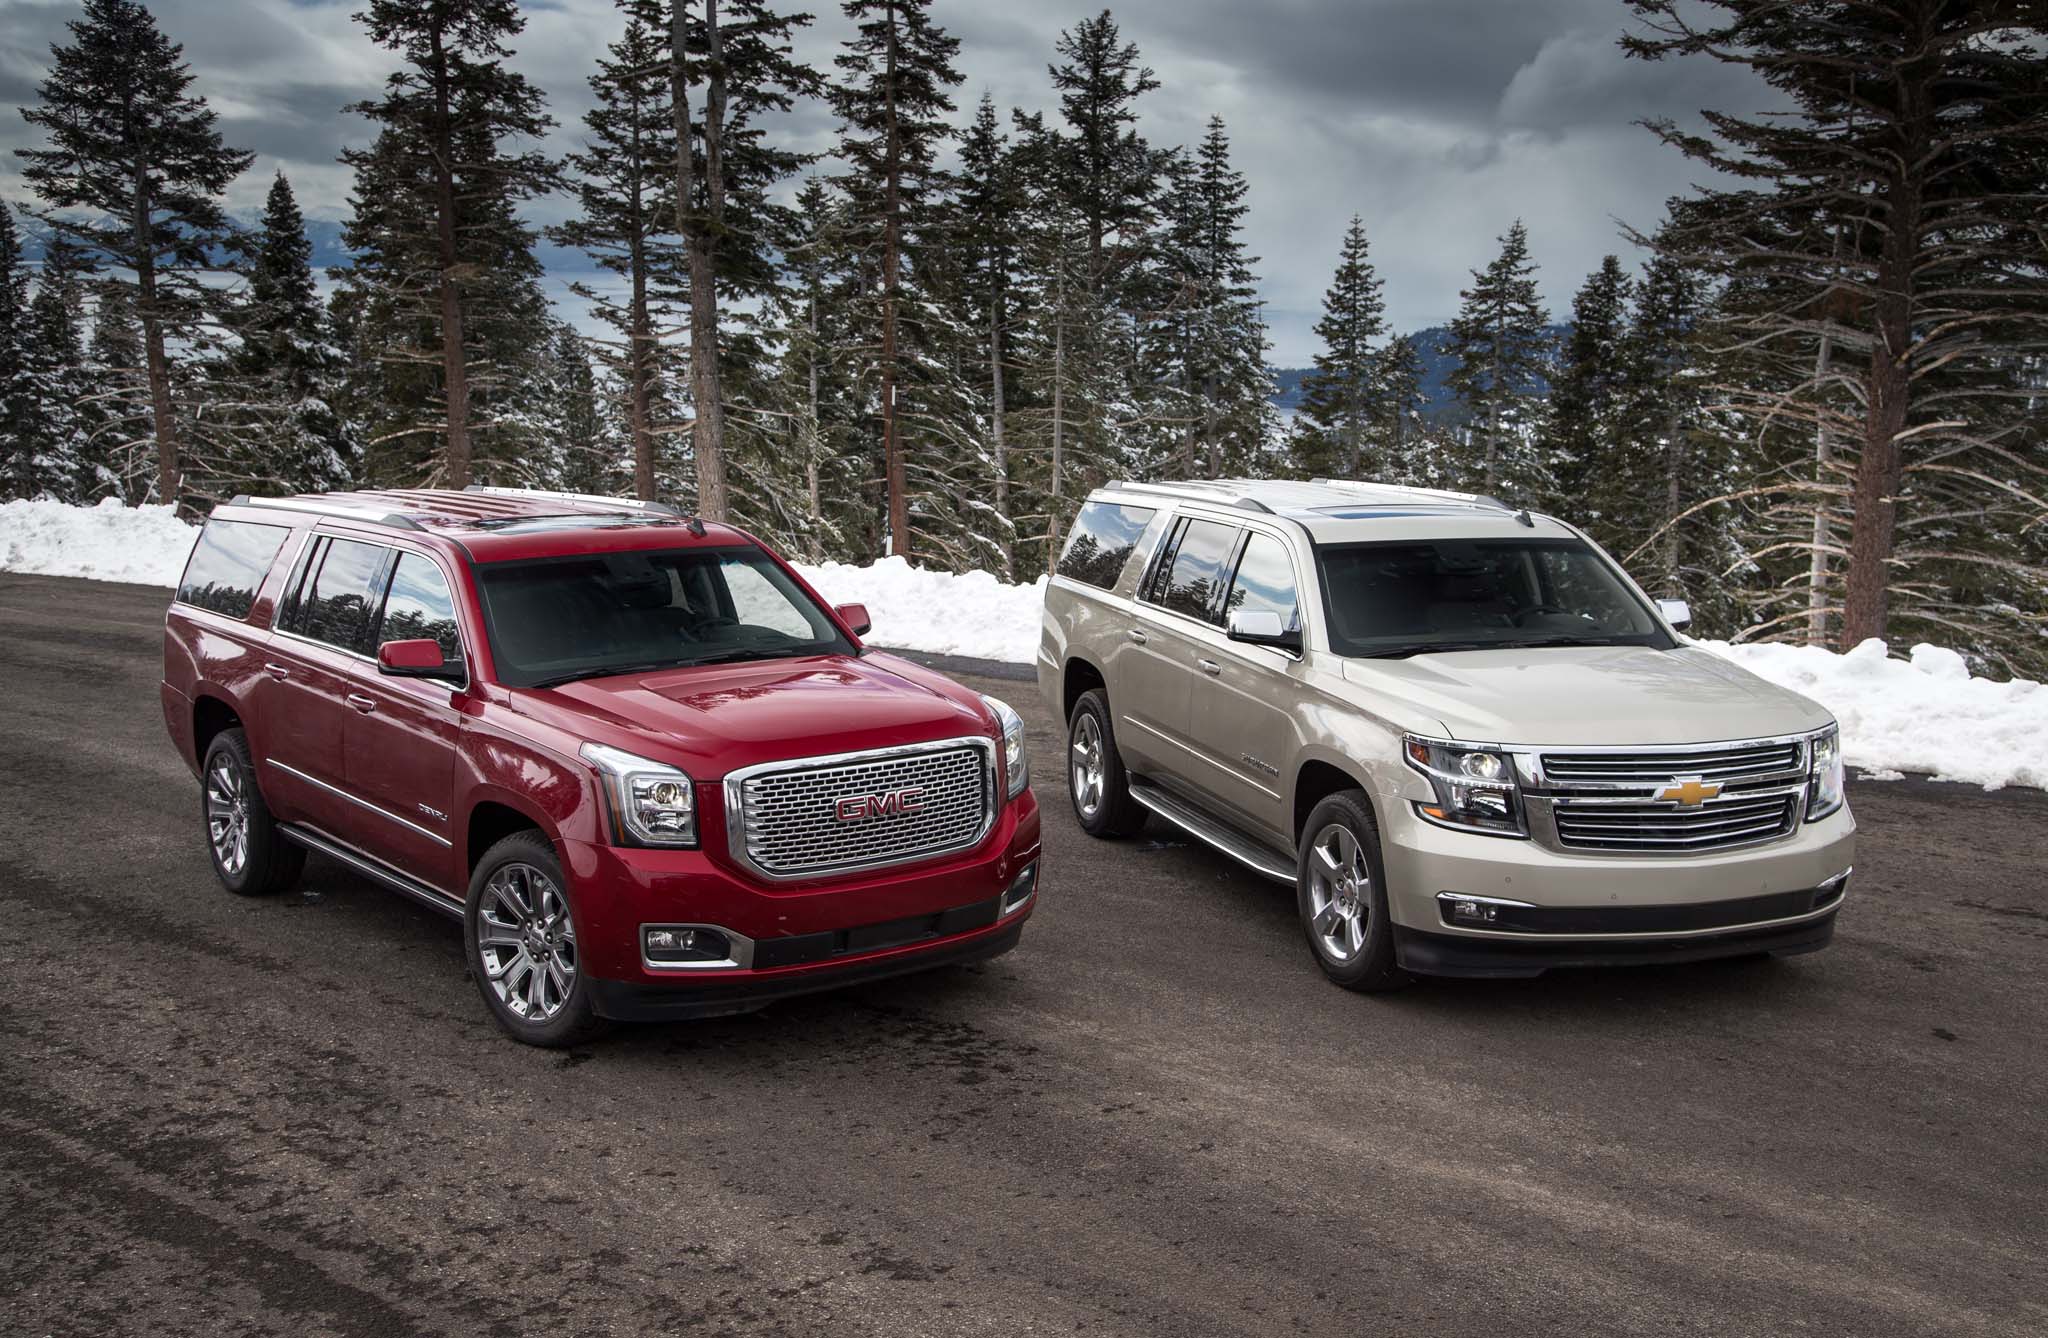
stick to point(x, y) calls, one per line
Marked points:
point(527, 941)
point(1339, 893)
point(1089, 764)
point(227, 813)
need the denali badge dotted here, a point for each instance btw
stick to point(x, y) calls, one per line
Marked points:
point(1689, 792)
point(896, 803)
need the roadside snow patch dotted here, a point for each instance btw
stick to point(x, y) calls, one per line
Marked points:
point(1924, 713)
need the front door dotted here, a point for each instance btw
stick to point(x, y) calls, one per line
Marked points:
point(1155, 686)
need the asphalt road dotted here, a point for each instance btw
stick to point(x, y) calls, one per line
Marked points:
point(293, 1116)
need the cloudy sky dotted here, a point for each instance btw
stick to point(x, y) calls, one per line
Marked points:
point(1438, 121)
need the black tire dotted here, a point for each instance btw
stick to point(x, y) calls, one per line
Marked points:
point(264, 861)
point(1114, 813)
point(1368, 966)
point(573, 1021)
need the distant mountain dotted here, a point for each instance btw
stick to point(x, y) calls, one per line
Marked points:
point(1437, 400)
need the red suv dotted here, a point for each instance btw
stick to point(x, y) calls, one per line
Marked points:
point(652, 773)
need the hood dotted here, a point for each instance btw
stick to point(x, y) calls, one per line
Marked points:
point(1583, 695)
point(718, 717)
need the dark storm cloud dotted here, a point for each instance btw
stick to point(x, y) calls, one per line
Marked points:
point(1439, 121)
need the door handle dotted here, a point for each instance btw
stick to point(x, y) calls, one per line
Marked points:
point(277, 671)
point(1210, 666)
point(1135, 635)
point(362, 703)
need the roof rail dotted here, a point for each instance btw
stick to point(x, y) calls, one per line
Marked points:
point(589, 498)
point(1358, 485)
point(1199, 490)
point(397, 520)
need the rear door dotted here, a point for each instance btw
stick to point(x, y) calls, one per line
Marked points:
point(1154, 691)
point(316, 653)
point(403, 733)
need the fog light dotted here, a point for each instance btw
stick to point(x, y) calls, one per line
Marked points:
point(679, 944)
point(1020, 890)
point(1468, 911)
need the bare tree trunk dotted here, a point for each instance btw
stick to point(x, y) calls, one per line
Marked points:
point(1004, 542)
point(811, 433)
point(1823, 453)
point(1674, 500)
point(456, 466)
point(639, 335)
point(1059, 423)
point(701, 236)
point(892, 240)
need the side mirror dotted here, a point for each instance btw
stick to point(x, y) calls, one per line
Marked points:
point(416, 659)
point(1262, 627)
point(1676, 611)
point(855, 616)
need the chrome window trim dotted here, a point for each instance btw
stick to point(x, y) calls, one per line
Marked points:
point(360, 802)
point(736, 818)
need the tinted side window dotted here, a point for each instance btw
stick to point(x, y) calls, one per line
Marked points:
point(341, 595)
point(228, 565)
point(419, 607)
point(1101, 542)
point(1197, 571)
point(1265, 580)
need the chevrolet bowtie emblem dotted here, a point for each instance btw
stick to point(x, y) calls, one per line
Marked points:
point(1689, 792)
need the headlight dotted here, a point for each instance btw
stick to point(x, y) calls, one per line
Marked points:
point(1016, 771)
point(1824, 778)
point(652, 803)
point(1475, 787)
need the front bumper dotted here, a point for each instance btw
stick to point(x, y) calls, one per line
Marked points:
point(1564, 909)
point(802, 936)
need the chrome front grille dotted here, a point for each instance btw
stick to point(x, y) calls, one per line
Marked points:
point(1725, 763)
point(1731, 820)
point(1629, 801)
point(826, 815)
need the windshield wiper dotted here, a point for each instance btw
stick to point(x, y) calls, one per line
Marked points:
point(603, 671)
point(751, 653)
point(1427, 648)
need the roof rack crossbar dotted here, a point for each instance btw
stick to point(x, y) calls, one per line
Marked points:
point(588, 498)
point(397, 520)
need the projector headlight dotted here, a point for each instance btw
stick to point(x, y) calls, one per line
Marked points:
point(1016, 770)
point(652, 803)
point(1475, 787)
point(1825, 781)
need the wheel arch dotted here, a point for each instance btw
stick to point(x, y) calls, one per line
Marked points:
point(212, 713)
point(1079, 675)
point(1316, 779)
point(494, 817)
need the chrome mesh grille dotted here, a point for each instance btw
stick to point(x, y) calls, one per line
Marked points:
point(1734, 819)
point(1726, 763)
point(793, 821)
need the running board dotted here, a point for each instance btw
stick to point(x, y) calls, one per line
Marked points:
point(1254, 856)
point(371, 869)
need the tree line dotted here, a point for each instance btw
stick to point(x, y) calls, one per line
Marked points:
point(1814, 411)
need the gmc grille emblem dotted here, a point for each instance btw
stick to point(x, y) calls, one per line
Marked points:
point(894, 804)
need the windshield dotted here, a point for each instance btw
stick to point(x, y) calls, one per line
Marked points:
point(1414, 598)
point(557, 619)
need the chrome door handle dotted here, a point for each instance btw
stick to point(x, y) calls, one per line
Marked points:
point(362, 703)
point(1135, 635)
point(1210, 666)
point(277, 671)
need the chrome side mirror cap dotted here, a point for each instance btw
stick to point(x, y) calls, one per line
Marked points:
point(1676, 611)
point(1262, 627)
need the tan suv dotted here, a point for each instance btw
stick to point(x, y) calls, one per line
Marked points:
point(1470, 741)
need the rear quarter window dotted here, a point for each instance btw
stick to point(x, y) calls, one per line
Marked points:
point(228, 564)
point(1101, 542)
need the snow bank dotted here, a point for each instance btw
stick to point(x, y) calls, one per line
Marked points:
point(1924, 713)
point(1921, 714)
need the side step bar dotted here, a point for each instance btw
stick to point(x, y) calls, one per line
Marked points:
point(1252, 854)
point(371, 869)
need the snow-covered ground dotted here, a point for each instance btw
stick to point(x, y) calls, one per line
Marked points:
point(1924, 713)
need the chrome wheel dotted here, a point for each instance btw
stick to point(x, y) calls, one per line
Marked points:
point(227, 813)
point(1339, 893)
point(1088, 771)
point(527, 942)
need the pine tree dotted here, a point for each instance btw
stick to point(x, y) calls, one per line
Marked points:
point(1341, 404)
point(622, 180)
point(892, 103)
point(725, 171)
point(986, 244)
point(20, 403)
point(582, 454)
point(1106, 170)
point(446, 263)
point(1503, 351)
point(1892, 226)
point(815, 397)
point(1580, 433)
point(66, 412)
point(1397, 387)
point(131, 175)
point(1229, 348)
point(124, 460)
